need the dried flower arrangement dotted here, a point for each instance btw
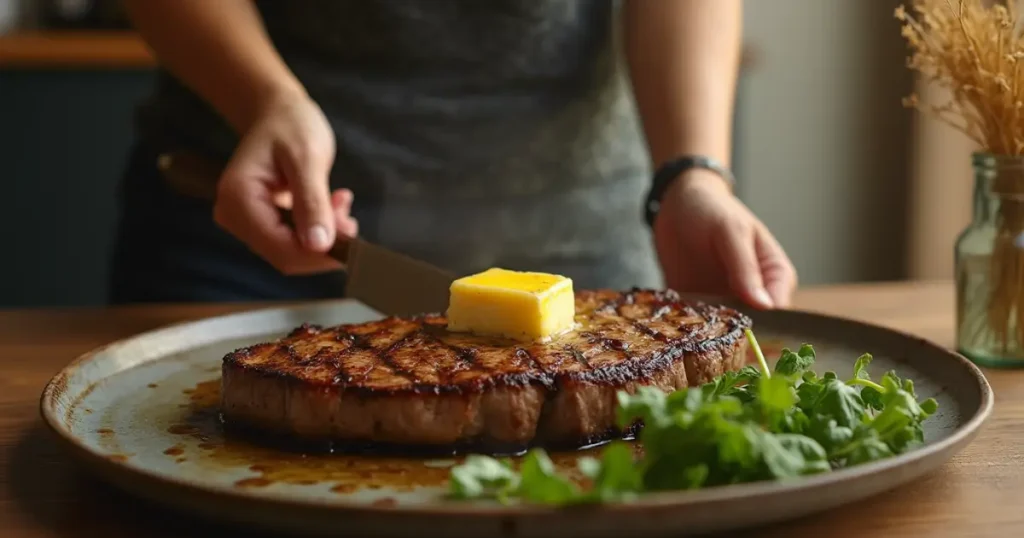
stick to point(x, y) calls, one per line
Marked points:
point(974, 49)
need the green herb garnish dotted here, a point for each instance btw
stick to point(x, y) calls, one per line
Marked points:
point(750, 425)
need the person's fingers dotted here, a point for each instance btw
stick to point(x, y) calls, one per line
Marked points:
point(345, 223)
point(669, 251)
point(778, 273)
point(246, 208)
point(738, 254)
point(283, 198)
point(306, 170)
point(780, 288)
point(341, 199)
point(347, 227)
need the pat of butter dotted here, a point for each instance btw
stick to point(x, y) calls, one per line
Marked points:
point(513, 304)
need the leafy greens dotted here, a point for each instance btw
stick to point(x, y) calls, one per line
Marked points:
point(749, 425)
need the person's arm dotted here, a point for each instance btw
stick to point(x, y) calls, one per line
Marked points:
point(684, 61)
point(219, 49)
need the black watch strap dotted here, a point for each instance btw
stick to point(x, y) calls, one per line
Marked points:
point(671, 170)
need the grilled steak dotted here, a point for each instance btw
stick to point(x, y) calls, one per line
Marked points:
point(410, 382)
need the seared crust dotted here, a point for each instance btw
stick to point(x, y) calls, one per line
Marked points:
point(409, 381)
point(622, 337)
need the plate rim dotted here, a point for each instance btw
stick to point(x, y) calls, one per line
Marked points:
point(959, 438)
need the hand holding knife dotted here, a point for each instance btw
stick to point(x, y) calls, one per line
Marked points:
point(387, 281)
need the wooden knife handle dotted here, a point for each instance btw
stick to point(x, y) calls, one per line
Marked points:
point(193, 175)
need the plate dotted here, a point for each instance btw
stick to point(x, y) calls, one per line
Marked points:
point(141, 414)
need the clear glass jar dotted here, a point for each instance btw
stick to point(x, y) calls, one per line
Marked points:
point(990, 265)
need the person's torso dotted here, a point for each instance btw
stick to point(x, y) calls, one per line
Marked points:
point(471, 132)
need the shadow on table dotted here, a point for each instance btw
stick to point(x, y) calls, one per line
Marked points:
point(54, 494)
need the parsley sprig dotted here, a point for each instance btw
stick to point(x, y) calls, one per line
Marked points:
point(749, 425)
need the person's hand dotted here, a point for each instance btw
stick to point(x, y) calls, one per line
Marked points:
point(283, 161)
point(709, 242)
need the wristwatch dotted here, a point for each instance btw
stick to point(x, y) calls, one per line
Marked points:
point(669, 171)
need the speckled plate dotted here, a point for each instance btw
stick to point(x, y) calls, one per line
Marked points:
point(141, 413)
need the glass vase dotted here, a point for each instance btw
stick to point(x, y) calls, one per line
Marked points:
point(990, 266)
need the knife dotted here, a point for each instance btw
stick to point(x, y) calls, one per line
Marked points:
point(387, 281)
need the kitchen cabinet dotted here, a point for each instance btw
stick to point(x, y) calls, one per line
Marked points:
point(66, 105)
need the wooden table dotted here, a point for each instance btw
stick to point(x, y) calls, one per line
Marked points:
point(978, 493)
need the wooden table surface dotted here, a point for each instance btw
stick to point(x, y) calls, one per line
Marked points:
point(979, 493)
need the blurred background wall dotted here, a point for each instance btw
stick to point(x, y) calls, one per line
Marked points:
point(855, 187)
point(825, 143)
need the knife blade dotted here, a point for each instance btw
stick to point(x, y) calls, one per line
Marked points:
point(390, 282)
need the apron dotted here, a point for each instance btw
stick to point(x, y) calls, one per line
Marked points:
point(473, 134)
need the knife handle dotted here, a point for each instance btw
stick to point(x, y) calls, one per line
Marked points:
point(193, 175)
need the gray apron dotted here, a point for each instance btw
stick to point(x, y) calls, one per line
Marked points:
point(473, 133)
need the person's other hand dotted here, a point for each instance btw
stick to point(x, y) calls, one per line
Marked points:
point(709, 242)
point(284, 160)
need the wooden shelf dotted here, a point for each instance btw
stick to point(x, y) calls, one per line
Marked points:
point(74, 49)
point(107, 49)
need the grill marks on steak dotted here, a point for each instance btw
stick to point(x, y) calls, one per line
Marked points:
point(621, 336)
point(411, 381)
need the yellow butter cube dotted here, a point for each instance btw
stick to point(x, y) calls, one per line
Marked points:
point(520, 305)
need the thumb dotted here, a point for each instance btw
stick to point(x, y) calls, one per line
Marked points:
point(738, 254)
point(311, 198)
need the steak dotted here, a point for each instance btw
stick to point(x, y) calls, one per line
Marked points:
point(408, 382)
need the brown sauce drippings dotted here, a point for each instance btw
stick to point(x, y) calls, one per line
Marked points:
point(182, 429)
point(272, 463)
point(385, 502)
point(175, 450)
point(345, 473)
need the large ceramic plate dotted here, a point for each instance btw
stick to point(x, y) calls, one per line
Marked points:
point(141, 413)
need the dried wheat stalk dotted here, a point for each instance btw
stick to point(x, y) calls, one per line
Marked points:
point(975, 51)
